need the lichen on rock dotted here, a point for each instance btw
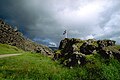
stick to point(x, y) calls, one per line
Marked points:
point(74, 52)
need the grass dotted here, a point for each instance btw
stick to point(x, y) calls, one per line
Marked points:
point(7, 49)
point(35, 67)
point(103, 68)
point(32, 66)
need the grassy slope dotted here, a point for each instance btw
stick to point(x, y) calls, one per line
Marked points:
point(38, 67)
point(7, 49)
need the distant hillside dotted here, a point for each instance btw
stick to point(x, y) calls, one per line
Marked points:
point(11, 36)
point(54, 48)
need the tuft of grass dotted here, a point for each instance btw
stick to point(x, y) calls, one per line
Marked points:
point(7, 49)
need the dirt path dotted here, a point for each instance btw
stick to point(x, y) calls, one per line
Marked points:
point(8, 55)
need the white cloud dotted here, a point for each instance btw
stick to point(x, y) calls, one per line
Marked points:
point(52, 44)
point(89, 37)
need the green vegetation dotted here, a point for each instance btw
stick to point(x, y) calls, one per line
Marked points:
point(32, 66)
point(37, 67)
point(100, 68)
point(7, 49)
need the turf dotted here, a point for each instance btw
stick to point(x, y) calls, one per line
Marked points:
point(7, 49)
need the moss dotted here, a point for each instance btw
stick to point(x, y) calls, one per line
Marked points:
point(57, 51)
point(112, 48)
point(90, 57)
point(117, 47)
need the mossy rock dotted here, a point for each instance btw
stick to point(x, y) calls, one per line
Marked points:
point(75, 52)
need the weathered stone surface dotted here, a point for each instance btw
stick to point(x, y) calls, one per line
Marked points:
point(116, 55)
point(68, 42)
point(106, 53)
point(74, 52)
point(87, 48)
point(12, 36)
point(105, 43)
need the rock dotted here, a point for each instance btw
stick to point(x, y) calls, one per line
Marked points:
point(74, 59)
point(12, 36)
point(70, 55)
point(105, 53)
point(105, 43)
point(67, 42)
point(111, 51)
point(57, 55)
point(116, 55)
point(87, 49)
point(63, 43)
point(74, 48)
point(73, 52)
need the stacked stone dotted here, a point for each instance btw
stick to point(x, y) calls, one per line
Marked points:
point(12, 36)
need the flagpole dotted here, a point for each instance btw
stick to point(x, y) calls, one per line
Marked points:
point(66, 35)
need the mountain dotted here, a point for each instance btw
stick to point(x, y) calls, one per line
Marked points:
point(12, 36)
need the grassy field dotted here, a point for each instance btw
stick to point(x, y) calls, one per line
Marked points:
point(32, 66)
point(7, 49)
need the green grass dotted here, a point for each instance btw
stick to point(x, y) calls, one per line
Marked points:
point(7, 49)
point(32, 66)
point(103, 68)
point(36, 67)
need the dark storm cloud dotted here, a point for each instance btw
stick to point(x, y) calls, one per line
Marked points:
point(14, 12)
point(45, 20)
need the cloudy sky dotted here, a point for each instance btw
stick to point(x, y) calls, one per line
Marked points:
point(44, 21)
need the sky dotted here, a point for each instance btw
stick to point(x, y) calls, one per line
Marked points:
point(44, 21)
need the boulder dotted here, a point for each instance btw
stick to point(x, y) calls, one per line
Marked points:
point(68, 42)
point(87, 49)
point(116, 55)
point(105, 43)
point(105, 53)
point(74, 59)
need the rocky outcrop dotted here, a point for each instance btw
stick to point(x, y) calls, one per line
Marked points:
point(73, 51)
point(11, 36)
point(105, 43)
point(87, 48)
